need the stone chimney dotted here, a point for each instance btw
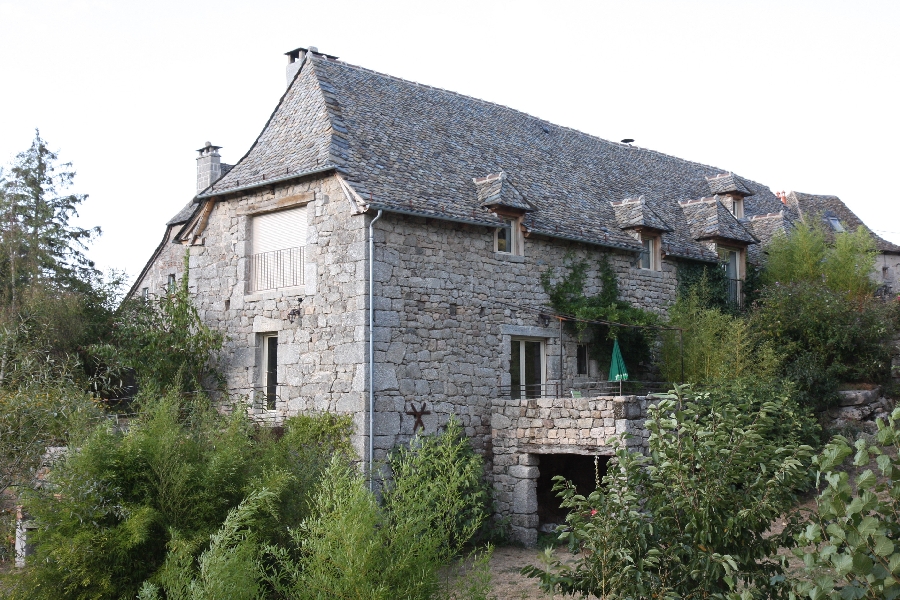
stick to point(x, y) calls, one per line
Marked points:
point(295, 59)
point(209, 166)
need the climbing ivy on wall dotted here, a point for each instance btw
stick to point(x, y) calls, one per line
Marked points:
point(567, 297)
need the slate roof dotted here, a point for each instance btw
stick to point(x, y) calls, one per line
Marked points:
point(416, 149)
point(727, 183)
point(816, 206)
point(764, 228)
point(183, 215)
point(709, 219)
point(496, 190)
point(635, 213)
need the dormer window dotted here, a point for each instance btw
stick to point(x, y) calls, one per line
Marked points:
point(737, 207)
point(649, 258)
point(508, 238)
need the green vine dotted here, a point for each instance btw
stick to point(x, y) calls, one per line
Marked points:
point(567, 297)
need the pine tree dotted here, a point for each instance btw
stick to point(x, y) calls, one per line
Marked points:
point(37, 241)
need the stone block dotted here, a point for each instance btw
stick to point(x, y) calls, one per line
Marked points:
point(525, 497)
point(524, 472)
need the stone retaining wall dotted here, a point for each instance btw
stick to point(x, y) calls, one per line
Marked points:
point(525, 429)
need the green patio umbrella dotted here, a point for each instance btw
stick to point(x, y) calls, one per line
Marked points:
point(617, 370)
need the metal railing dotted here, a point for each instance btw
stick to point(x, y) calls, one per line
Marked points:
point(736, 292)
point(590, 389)
point(277, 269)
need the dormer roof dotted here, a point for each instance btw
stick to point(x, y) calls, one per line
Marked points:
point(727, 183)
point(495, 190)
point(709, 219)
point(635, 213)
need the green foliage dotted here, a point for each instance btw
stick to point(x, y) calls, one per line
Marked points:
point(689, 520)
point(717, 346)
point(825, 336)
point(347, 545)
point(37, 242)
point(33, 419)
point(567, 297)
point(806, 256)
point(852, 540)
point(165, 341)
point(113, 509)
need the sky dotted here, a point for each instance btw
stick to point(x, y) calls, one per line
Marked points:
point(795, 94)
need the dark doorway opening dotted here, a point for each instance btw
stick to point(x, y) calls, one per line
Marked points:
point(577, 468)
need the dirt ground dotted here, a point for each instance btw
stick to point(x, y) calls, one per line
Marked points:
point(509, 584)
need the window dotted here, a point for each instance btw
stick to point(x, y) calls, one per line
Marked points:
point(145, 293)
point(278, 241)
point(733, 264)
point(581, 360)
point(649, 258)
point(508, 238)
point(527, 369)
point(835, 224)
point(170, 284)
point(737, 207)
point(270, 370)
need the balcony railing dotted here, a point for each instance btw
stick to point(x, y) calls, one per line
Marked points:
point(589, 389)
point(277, 269)
point(736, 293)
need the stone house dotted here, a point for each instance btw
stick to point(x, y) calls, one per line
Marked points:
point(378, 252)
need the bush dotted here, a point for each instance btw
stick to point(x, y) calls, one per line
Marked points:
point(852, 538)
point(165, 341)
point(825, 336)
point(715, 346)
point(113, 509)
point(689, 520)
point(805, 256)
point(347, 546)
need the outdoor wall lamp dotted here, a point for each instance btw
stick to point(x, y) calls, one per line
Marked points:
point(295, 312)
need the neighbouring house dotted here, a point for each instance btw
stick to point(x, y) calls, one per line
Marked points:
point(378, 252)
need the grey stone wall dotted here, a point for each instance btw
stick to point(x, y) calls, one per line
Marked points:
point(525, 429)
point(321, 356)
point(446, 309)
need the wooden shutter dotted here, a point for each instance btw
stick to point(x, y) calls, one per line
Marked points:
point(279, 230)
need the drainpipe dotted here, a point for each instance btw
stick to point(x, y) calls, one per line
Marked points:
point(372, 350)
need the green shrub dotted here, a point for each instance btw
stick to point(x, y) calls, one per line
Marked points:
point(165, 341)
point(806, 256)
point(114, 508)
point(714, 346)
point(690, 519)
point(347, 545)
point(852, 539)
point(825, 336)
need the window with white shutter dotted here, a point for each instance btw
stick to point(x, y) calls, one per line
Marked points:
point(278, 240)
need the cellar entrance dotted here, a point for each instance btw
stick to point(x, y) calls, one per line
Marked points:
point(577, 468)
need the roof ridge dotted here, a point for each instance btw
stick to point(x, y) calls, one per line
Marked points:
point(515, 110)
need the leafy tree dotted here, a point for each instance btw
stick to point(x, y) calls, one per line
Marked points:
point(845, 265)
point(825, 337)
point(165, 341)
point(690, 519)
point(851, 542)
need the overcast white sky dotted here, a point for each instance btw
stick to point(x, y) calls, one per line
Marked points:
point(798, 95)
